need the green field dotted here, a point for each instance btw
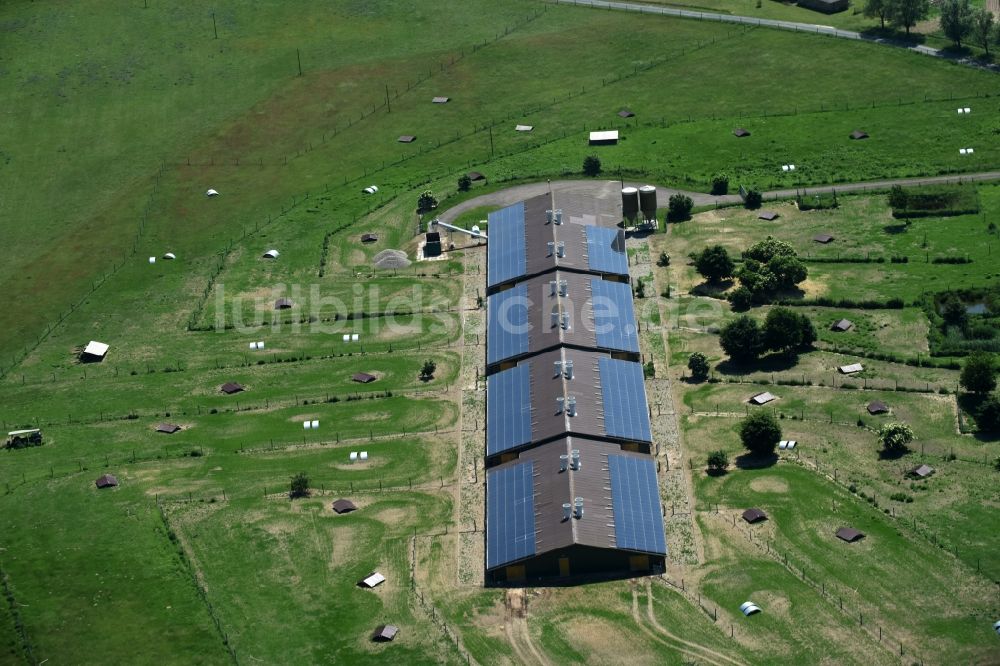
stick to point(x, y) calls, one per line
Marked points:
point(120, 116)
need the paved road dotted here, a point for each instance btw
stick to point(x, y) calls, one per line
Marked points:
point(773, 23)
point(610, 190)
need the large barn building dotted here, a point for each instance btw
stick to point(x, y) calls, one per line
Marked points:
point(571, 487)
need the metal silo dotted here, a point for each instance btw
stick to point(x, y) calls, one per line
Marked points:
point(647, 202)
point(630, 203)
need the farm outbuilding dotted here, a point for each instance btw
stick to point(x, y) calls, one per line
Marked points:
point(531, 237)
point(876, 407)
point(230, 388)
point(19, 439)
point(344, 506)
point(523, 128)
point(754, 516)
point(384, 633)
point(211, 193)
point(763, 398)
point(168, 428)
point(851, 369)
point(106, 481)
point(626, 113)
point(432, 244)
point(407, 138)
point(561, 308)
point(996, 626)
point(823, 238)
point(842, 325)
point(94, 352)
point(271, 254)
point(363, 378)
point(573, 506)
point(768, 215)
point(858, 134)
point(922, 472)
point(369, 238)
point(741, 132)
point(849, 534)
point(169, 256)
point(373, 579)
point(604, 138)
point(283, 304)
point(825, 6)
point(475, 176)
point(441, 100)
point(748, 608)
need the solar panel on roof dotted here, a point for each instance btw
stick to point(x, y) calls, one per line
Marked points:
point(636, 504)
point(506, 250)
point(606, 250)
point(614, 316)
point(624, 397)
point(510, 514)
point(508, 409)
point(507, 329)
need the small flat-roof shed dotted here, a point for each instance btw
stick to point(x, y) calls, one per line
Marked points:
point(168, 428)
point(849, 534)
point(384, 633)
point(475, 175)
point(922, 472)
point(625, 113)
point(763, 398)
point(230, 388)
point(740, 132)
point(373, 580)
point(858, 134)
point(842, 325)
point(604, 138)
point(106, 481)
point(94, 351)
point(851, 369)
point(754, 515)
point(363, 378)
point(271, 254)
point(440, 100)
point(283, 304)
point(768, 215)
point(369, 238)
point(523, 128)
point(824, 6)
point(407, 138)
point(344, 506)
point(823, 238)
point(877, 407)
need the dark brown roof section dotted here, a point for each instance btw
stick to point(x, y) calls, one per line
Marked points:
point(823, 238)
point(369, 238)
point(106, 481)
point(475, 175)
point(344, 506)
point(768, 215)
point(363, 378)
point(877, 407)
point(625, 113)
point(754, 515)
point(740, 132)
point(849, 534)
point(230, 388)
point(168, 428)
point(384, 633)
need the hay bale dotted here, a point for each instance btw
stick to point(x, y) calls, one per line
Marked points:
point(391, 259)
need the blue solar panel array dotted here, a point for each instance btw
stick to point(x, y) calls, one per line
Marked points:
point(505, 249)
point(636, 504)
point(508, 409)
point(507, 324)
point(624, 397)
point(510, 514)
point(605, 249)
point(614, 317)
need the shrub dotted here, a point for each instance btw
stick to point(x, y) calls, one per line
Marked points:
point(464, 183)
point(591, 165)
point(753, 199)
point(648, 370)
point(426, 202)
point(894, 437)
point(979, 374)
point(718, 460)
point(428, 369)
point(760, 433)
point(720, 184)
point(740, 299)
point(698, 365)
point(299, 486)
point(679, 207)
point(663, 260)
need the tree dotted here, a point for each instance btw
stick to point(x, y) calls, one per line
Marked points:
point(427, 371)
point(714, 264)
point(906, 13)
point(898, 198)
point(464, 183)
point(760, 433)
point(877, 8)
point(956, 20)
point(756, 278)
point(979, 374)
point(983, 31)
point(742, 339)
point(787, 271)
point(720, 184)
point(988, 417)
point(591, 165)
point(954, 312)
point(679, 207)
point(787, 331)
point(698, 365)
point(299, 486)
point(753, 199)
point(718, 461)
point(426, 202)
point(894, 437)
point(769, 248)
point(740, 298)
